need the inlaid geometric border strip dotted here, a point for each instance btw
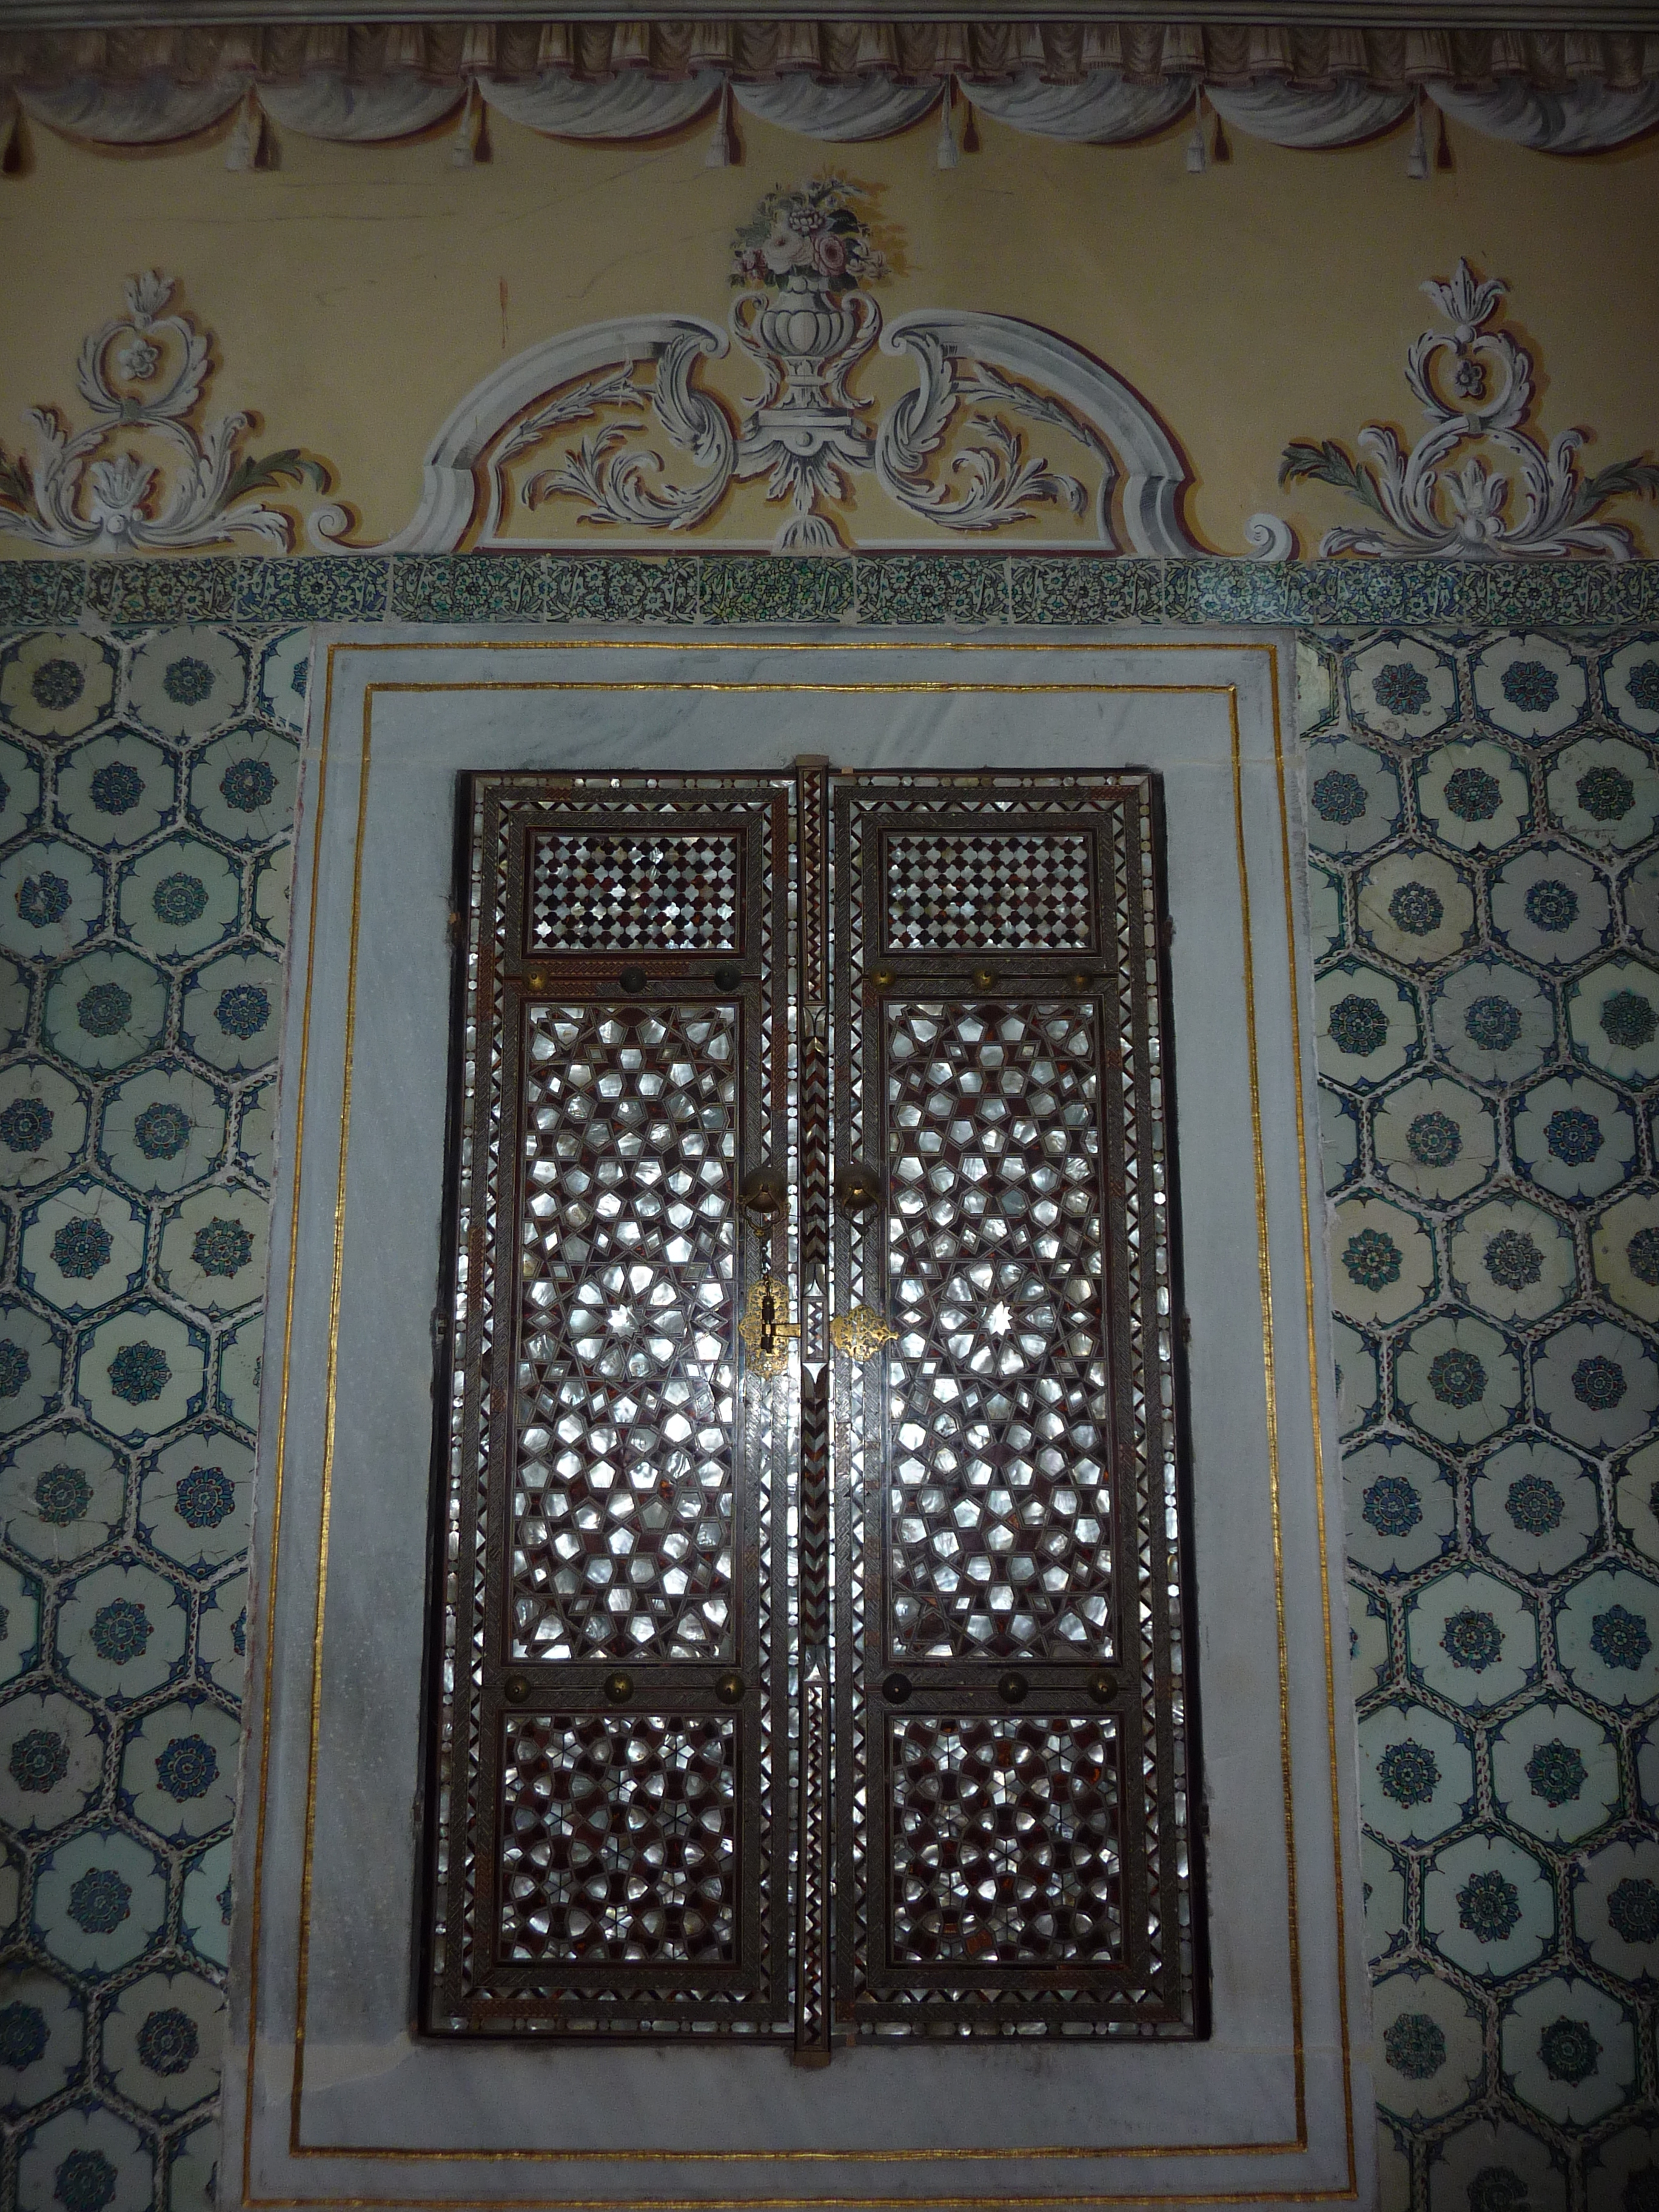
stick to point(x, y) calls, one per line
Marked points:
point(912, 588)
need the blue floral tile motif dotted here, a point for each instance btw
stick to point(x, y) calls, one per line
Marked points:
point(1492, 1022)
point(1604, 792)
point(1615, 1908)
point(1416, 907)
point(1596, 1385)
point(1550, 906)
point(1531, 687)
point(1574, 1138)
point(116, 791)
point(1624, 1252)
point(1434, 1140)
point(1353, 796)
point(162, 1129)
point(1471, 1640)
point(121, 1631)
point(1492, 2163)
point(1622, 2168)
point(82, 1247)
point(1555, 1773)
point(1607, 1631)
point(44, 1119)
point(1382, 1263)
point(56, 684)
point(1630, 684)
point(87, 2159)
point(104, 1010)
point(1402, 1509)
point(1488, 1906)
point(1612, 1015)
point(1512, 1259)
point(1534, 1507)
point(179, 1768)
point(231, 1009)
point(1416, 1774)
point(30, 1366)
point(142, 1372)
point(1473, 795)
point(1368, 1025)
point(62, 1495)
point(1402, 687)
point(1430, 2050)
point(1568, 2049)
point(161, 2041)
point(41, 2031)
point(51, 899)
point(241, 786)
point(194, 1499)
point(184, 682)
point(51, 1755)
point(179, 898)
point(1636, 1501)
point(1458, 1380)
point(100, 1900)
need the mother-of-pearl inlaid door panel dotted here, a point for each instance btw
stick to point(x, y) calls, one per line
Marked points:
point(810, 1601)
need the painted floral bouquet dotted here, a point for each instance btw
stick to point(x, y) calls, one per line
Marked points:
point(807, 238)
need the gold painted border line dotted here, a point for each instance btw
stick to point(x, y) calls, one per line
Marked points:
point(682, 644)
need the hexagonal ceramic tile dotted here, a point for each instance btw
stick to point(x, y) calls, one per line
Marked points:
point(51, 899)
point(1353, 796)
point(53, 1753)
point(1338, 1139)
point(179, 898)
point(256, 1132)
point(1457, 1379)
point(204, 1913)
point(121, 1631)
point(143, 1371)
point(242, 788)
point(1473, 795)
point(1596, 1385)
point(1401, 687)
point(43, 1122)
point(15, 997)
point(116, 791)
point(228, 1016)
point(19, 1622)
point(1416, 1774)
point(195, 1496)
point(162, 1129)
point(185, 682)
point(1534, 1507)
point(1471, 1639)
point(84, 2156)
point(62, 1495)
point(1493, 1022)
point(1568, 2049)
point(1605, 793)
point(1612, 1016)
point(1606, 1633)
point(239, 1365)
point(31, 1365)
point(1434, 1140)
point(1630, 684)
point(179, 1768)
point(1415, 907)
point(104, 1010)
point(160, 2042)
point(213, 1249)
point(221, 1645)
point(1430, 2049)
point(1369, 1658)
point(42, 2030)
point(1382, 1264)
point(1532, 686)
point(1621, 2166)
point(1625, 1251)
point(273, 879)
point(1551, 906)
point(1636, 1500)
point(1402, 1509)
point(1494, 2162)
point(82, 1247)
point(1513, 1260)
point(1641, 897)
point(99, 1901)
point(1488, 1906)
point(1616, 1907)
point(1555, 1772)
point(1385, 1898)
point(284, 674)
point(1368, 1026)
point(20, 791)
point(56, 684)
point(1574, 1138)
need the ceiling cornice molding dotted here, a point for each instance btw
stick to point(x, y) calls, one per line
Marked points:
point(1369, 15)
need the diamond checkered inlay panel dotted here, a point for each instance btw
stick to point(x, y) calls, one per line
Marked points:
point(620, 1839)
point(1004, 1840)
point(596, 890)
point(995, 891)
point(998, 1491)
point(624, 1477)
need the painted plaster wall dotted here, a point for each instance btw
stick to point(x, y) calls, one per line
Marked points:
point(357, 293)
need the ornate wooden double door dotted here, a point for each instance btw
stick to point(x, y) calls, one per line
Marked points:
point(810, 1610)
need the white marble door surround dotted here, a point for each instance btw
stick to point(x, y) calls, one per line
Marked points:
point(330, 2099)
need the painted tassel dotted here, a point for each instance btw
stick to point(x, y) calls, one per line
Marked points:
point(949, 152)
point(1198, 159)
point(464, 146)
point(724, 152)
point(1417, 161)
point(245, 146)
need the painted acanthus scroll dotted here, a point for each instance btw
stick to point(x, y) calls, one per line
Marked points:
point(616, 418)
point(144, 474)
point(1475, 386)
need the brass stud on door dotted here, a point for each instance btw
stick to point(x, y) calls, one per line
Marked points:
point(728, 1687)
point(632, 981)
point(1101, 1687)
point(857, 1187)
point(896, 1689)
point(728, 976)
point(1012, 1689)
point(515, 1689)
point(618, 1688)
point(984, 979)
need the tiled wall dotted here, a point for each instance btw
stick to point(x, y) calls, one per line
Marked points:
point(1487, 888)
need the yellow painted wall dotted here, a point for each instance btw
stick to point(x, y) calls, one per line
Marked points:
point(355, 293)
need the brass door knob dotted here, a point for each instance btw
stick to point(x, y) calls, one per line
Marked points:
point(857, 1187)
point(728, 1687)
point(763, 1195)
point(515, 1689)
point(618, 1688)
point(1012, 1688)
point(1101, 1687)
